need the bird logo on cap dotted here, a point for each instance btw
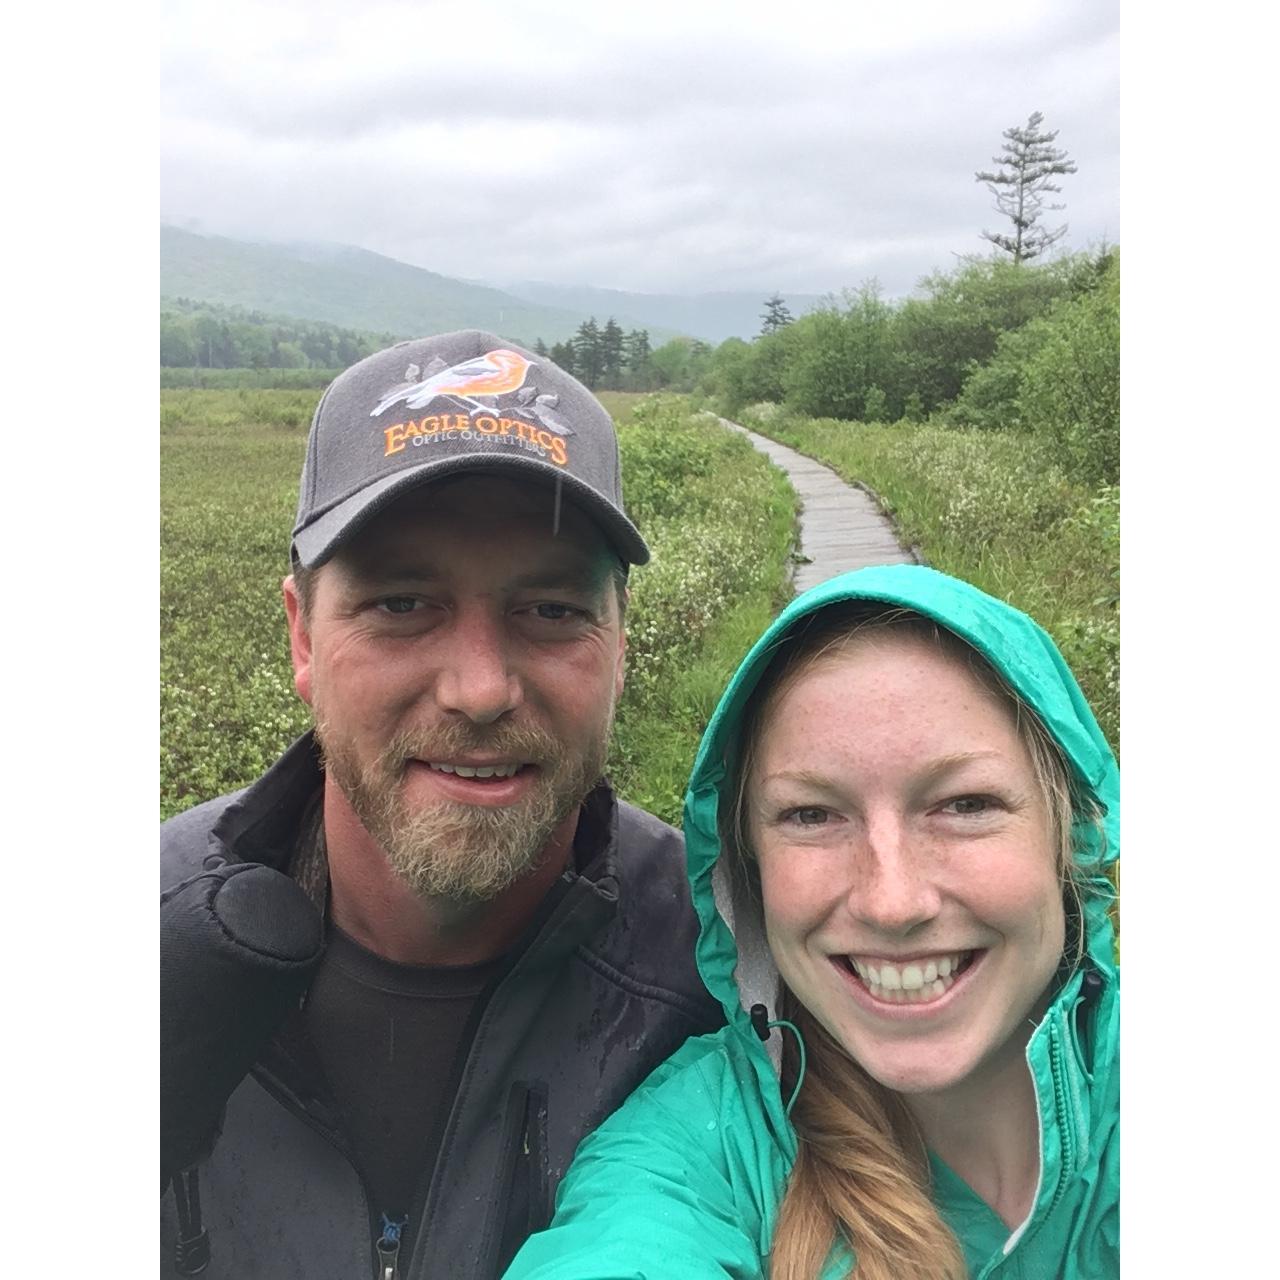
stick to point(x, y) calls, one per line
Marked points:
point(493, 374)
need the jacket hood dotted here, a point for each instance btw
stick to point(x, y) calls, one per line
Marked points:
point(733, 957)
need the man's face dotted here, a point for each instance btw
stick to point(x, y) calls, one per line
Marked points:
point(463, 661)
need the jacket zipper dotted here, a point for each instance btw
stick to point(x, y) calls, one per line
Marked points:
point(1066, 1121)
point(388, 1260)
point(1066, 1127)
point(388, 1246)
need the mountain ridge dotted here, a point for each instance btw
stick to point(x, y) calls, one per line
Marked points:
point(360, 289)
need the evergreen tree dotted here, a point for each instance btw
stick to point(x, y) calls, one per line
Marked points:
point(611, 353)
point(636, 352)
point(587, 354)
point(562, 354)
point(775, 315)
point(1019, 185)
point(636, 349)
point(540, 348)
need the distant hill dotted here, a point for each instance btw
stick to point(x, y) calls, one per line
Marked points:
point(359, 290)
point(710, 316)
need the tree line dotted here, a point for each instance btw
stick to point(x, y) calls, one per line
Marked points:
point(197, 335)
point(204, 335)
point(992, 343)
point(606, 358)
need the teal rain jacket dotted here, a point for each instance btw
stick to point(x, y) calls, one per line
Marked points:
point(686, 1179)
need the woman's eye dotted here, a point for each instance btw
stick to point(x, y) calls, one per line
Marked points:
point(966, 805)
point(809, 816)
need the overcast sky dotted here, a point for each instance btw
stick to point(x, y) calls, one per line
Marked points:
point(801, 146)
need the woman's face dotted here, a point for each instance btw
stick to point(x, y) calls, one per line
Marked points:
point(911, 897)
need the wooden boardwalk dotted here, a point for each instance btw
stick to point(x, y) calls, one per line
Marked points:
point(841, 526)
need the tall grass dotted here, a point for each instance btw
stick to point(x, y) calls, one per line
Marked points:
point(257, 379)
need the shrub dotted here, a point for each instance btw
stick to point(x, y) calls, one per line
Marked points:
point(1071, 386)
point(991, 396)
point(875, 407)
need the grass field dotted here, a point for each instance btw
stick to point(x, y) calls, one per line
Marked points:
point(235, 379)
point(718, 518)
point(994, 508)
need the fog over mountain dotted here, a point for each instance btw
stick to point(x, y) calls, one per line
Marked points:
point(352, 287)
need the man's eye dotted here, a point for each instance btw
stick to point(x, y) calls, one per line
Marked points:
point(551, 611)
point(398, 604)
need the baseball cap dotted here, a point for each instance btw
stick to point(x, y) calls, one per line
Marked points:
point(457, 402)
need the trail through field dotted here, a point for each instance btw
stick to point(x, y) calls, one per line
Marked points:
point(841, 526)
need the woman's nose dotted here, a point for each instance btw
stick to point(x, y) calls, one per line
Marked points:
point(891, 885)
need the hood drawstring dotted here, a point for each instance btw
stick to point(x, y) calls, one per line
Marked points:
point(191, 1250)
point(761, 1025)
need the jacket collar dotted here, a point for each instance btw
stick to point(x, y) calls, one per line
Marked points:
point(261, 824)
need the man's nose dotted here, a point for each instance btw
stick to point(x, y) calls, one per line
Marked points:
point(892, 888)
point(477, 679)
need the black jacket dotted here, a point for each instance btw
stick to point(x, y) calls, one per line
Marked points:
point(605, 989)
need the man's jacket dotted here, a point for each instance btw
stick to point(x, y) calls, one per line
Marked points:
point(686, 1180)
point(604, 990)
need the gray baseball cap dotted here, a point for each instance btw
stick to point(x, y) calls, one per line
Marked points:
point(433, 407)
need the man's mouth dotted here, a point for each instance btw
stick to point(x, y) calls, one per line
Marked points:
point(502, 770)
point(913, 982)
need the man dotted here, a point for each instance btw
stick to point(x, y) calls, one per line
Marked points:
point(410, 967)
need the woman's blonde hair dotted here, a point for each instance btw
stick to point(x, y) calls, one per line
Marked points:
point(861, 1177)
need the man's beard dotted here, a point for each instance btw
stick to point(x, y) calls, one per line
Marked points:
point(460, 852)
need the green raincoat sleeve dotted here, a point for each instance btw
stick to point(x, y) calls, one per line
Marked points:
point(679, 1184)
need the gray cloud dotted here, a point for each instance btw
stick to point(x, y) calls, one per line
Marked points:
point(665, 147)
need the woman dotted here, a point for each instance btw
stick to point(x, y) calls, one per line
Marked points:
point(898, 826)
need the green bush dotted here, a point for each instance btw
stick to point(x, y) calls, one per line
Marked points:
point(991, 396)
point(942, 336)
point(978, 324)
point(742, 373)
point(1071, 385)
point(1058, 377)
point(875, 408)
point(837, 355)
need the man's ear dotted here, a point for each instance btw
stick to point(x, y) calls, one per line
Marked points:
point(620, 673)
point(299, 640)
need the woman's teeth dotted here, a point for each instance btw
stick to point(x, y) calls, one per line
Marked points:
point(480, 771)
point(910, 983)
